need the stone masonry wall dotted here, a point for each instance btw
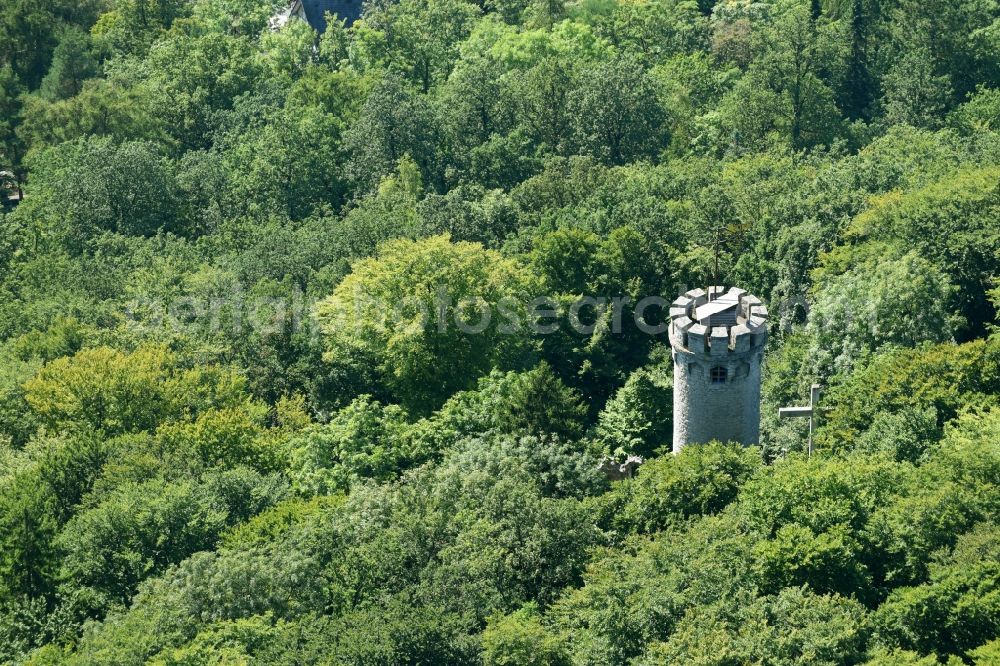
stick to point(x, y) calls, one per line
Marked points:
point(703, 410)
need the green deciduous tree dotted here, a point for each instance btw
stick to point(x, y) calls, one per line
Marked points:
point(914, 94)
point(872, 305)
point(955, 611)
point(791, 627)
point(137, 531)
point(535, 402)
point(35, 502)
point(617, 116)
point(947, 378)
point(519, 639)
point(420, 38)
point(94, 185)
point(116, 393)
point(949, 222)
point(394, 122)
point(639, 418)
point(364, 440)
point(401, 317)
point(669, 490)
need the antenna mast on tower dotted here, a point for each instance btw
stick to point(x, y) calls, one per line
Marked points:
point(715, 277)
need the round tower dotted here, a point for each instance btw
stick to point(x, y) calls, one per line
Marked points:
point(718, 340)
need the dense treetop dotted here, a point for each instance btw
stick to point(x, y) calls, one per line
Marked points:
point(250, 412)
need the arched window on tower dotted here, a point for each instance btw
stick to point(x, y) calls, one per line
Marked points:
point(719, 375)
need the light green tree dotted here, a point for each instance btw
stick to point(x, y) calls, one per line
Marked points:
point(902, 301)
point(400, 316)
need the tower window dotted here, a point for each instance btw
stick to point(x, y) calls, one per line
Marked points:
point(719, 375)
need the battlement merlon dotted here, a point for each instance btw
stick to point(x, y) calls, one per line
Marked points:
point(716, 322)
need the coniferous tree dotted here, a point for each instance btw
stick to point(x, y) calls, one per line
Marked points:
point(11, 147)
point(856, 98)
point(72, 64)
point(816, 9)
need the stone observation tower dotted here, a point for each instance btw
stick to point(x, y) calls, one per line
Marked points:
point(718, 340)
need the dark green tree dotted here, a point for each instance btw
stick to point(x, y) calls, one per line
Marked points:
point(72, 64)
point(616, 115)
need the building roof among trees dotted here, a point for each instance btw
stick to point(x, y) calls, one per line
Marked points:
point(315, 11)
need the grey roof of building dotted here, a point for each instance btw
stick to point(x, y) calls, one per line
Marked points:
point(723, 311)
point(316, 11)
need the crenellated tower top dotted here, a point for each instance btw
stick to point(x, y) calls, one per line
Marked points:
point(718, 338)
point(717, 322)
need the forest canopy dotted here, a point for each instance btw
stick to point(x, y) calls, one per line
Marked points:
point(312, 346)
